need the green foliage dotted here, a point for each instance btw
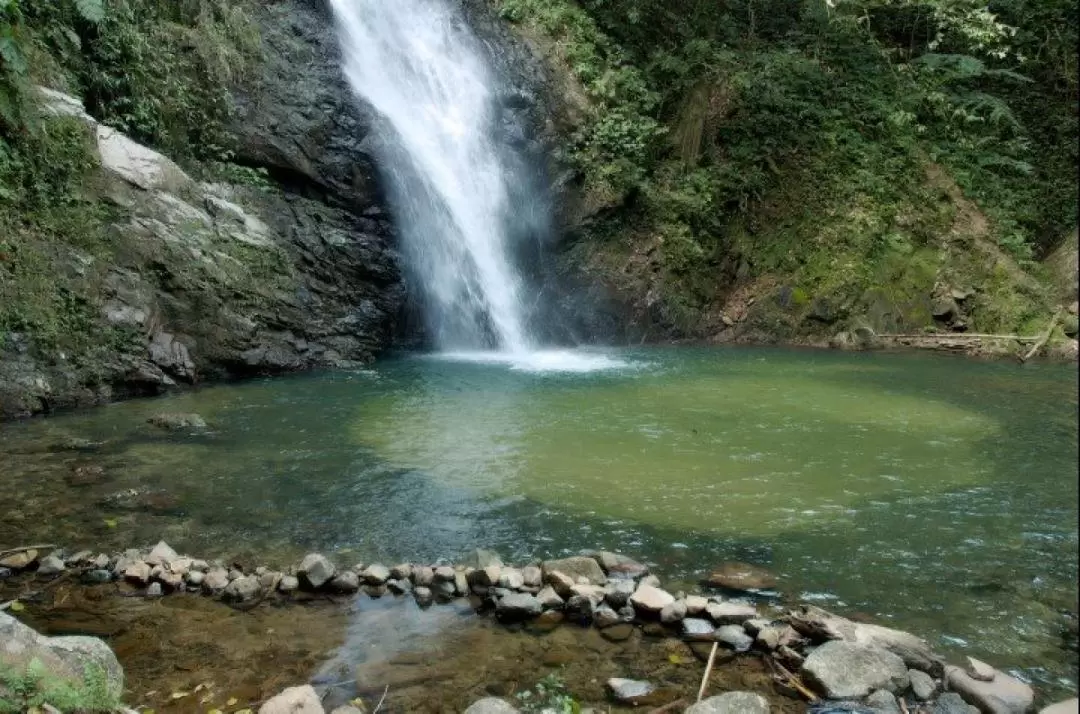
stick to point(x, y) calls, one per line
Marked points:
point(549, 695)
point(36, 687)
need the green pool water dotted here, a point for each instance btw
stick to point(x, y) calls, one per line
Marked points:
point(935, 494)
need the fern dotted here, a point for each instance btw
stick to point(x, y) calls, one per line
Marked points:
point(93, 11)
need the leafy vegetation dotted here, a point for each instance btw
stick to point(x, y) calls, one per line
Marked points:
point(549, 695)
point(34, 686)
point(799, 135)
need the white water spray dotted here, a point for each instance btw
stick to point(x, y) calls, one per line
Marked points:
point(419, 66)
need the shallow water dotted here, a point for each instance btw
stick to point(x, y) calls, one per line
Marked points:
point(937, 494)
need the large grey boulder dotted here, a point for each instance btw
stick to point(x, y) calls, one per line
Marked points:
point(731, 703)
point(845, 670)
point(517, 606)
point(73, 659)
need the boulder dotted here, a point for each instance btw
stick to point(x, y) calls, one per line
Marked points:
point(481, 558)
point(923, 685)
point(734, 575)
point(137, 572)
point(243, 588)
point(731, 703)
point(649, 599)
point(401, 572)
point(517, 606)
point(177, 422)
point(315, 570)
point(288, 584)
point(51, 565)
point(952, 703)
point(491, 705)
point(378, 574)
point(845, 670)
point(347, 582)
point(577, 567)
point(630, 691)
point(294, 700)
point(731, 613)
point(694, 628)
point(618, 592)
point(882, 702)
point(19, 561)
point(1072, 706)
point(71, 659)
point(560, 582)
point(549, 599)
point(977, 669)
point(604, 616)
point(620, 566)
point(673, 613)
point(533, 576)
point(735, 637)
point(215, 580)
point(511, 578)
point(443, 573)
point(696, 605)
point(162, 554)
point(1004, 694)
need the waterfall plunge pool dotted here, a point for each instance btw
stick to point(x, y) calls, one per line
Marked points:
point(937, 495)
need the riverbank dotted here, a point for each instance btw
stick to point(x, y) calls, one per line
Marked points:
point(609, 605)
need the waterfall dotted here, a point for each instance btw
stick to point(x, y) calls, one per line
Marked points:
point(418, 64)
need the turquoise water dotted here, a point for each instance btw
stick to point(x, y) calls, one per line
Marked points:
point(936, 494)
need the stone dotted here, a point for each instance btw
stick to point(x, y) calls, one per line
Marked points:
point(604, 616)
point(673, 613)
point(83, 557)
point(548, 620)
point(423, 576)
point(67, 658)
point(161, 554)
point(771, 637)
point(730, 613)
point(138, 573)
point(649, 599)
point(461, 583)
point(846, 670)
point(97, 577)
point(246, 587)
point(561, 582)
point(618, 592)
point(620, 566)
point(347, 582)
point(883, 702)
point(594, 593)
point(401, 572)
point(215, 580)
point(178, 422)
point(398, 587)
point(945, 309)
point(618, 633)
point(580, 609)
point(19, 561)
point(696, 605)
point(181, 566)
point(194, 578)
point(294, 700)
point(630, 691)
point(101, 561)
point(694, 628)
point(481, 558)
point(577, 567)
point(444, 590)
point(533, 576)
point(6, 573)
point(315, 570)
point(486, 577)
point(269, 580)
point(923, 685)
point(549, 599)
point(650, 580)
point(977, 669)
point(735, 637)
point(731, 703)
point(423, 595)
point(491, 705)
point(155, 590)
point(1070, 325)
point(734, 575)
point(51, 565)
point(200, 565)
point(288, 584)
point(171, 581)
point(443, 573)
point(1004, 694)
point(1071, 706)
point(952, 703)
point(511, 578)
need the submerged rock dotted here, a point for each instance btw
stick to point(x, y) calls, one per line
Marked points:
point(844, 670)
point(630, 691)
point(734, 575)
point(735, 637)
point(51, 565)
point(177, 422)
point(731, 703)
point(294, 700)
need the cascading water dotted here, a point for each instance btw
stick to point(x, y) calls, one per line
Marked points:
point(419, 66)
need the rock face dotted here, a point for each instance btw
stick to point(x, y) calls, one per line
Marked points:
point(731, 703)
point(68, 658)
point(845, 670)
point(209, 281)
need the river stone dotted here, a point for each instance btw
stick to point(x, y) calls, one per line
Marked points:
point(845, 670)
point(696, 605)
point(315, 570)
point(620, 566)
point(1071, 706)
point(1004, 695)
point(347, 582)
point(172, 581)
point(883, 702)
point(673, 613)
point(67, 658)
point(580, 609)
point(977, 669)
point(630, 691)
point(923, 685)
point(730, 613)
point(594, 593)
point(97, 576)
point(201, 565)
point(511, 578)
point(533, 576)
point(288, 584)
point(491, 705)
point(269, 580)
point(561, 582)
point(402, 571)
point(735, 637)
point(952, 703)
point(215, 580)
point(19, 561)
point(423, 576)
point(161, 554)
point(194, 578)
point(177, 422)
point(398, 587)
point(653, 600)
point(481, 558)
point(461, 583)
point(577, 567)
point(604, 616)
point(155, 590)
point(694, 628)
point(181, 566)
point(51, 565)
point(443, 573)
point(423, 595)
point(618, 633)
point(487, 577)
point(618, 592)
point(101, 562)
point(378, 574)
point(549, 599)
point(650, 580)
point(138, 573)
point(731, 703)
point(294, 700)
point(243, 588)
point(741, 576)
point(83, 557)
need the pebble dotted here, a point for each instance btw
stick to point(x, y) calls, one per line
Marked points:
point(735, 637)
point(51, 565)
point(630, 691)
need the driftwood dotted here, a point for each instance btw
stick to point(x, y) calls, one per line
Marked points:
point(1045, 337)
point(793, 681)
point(708, 671)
